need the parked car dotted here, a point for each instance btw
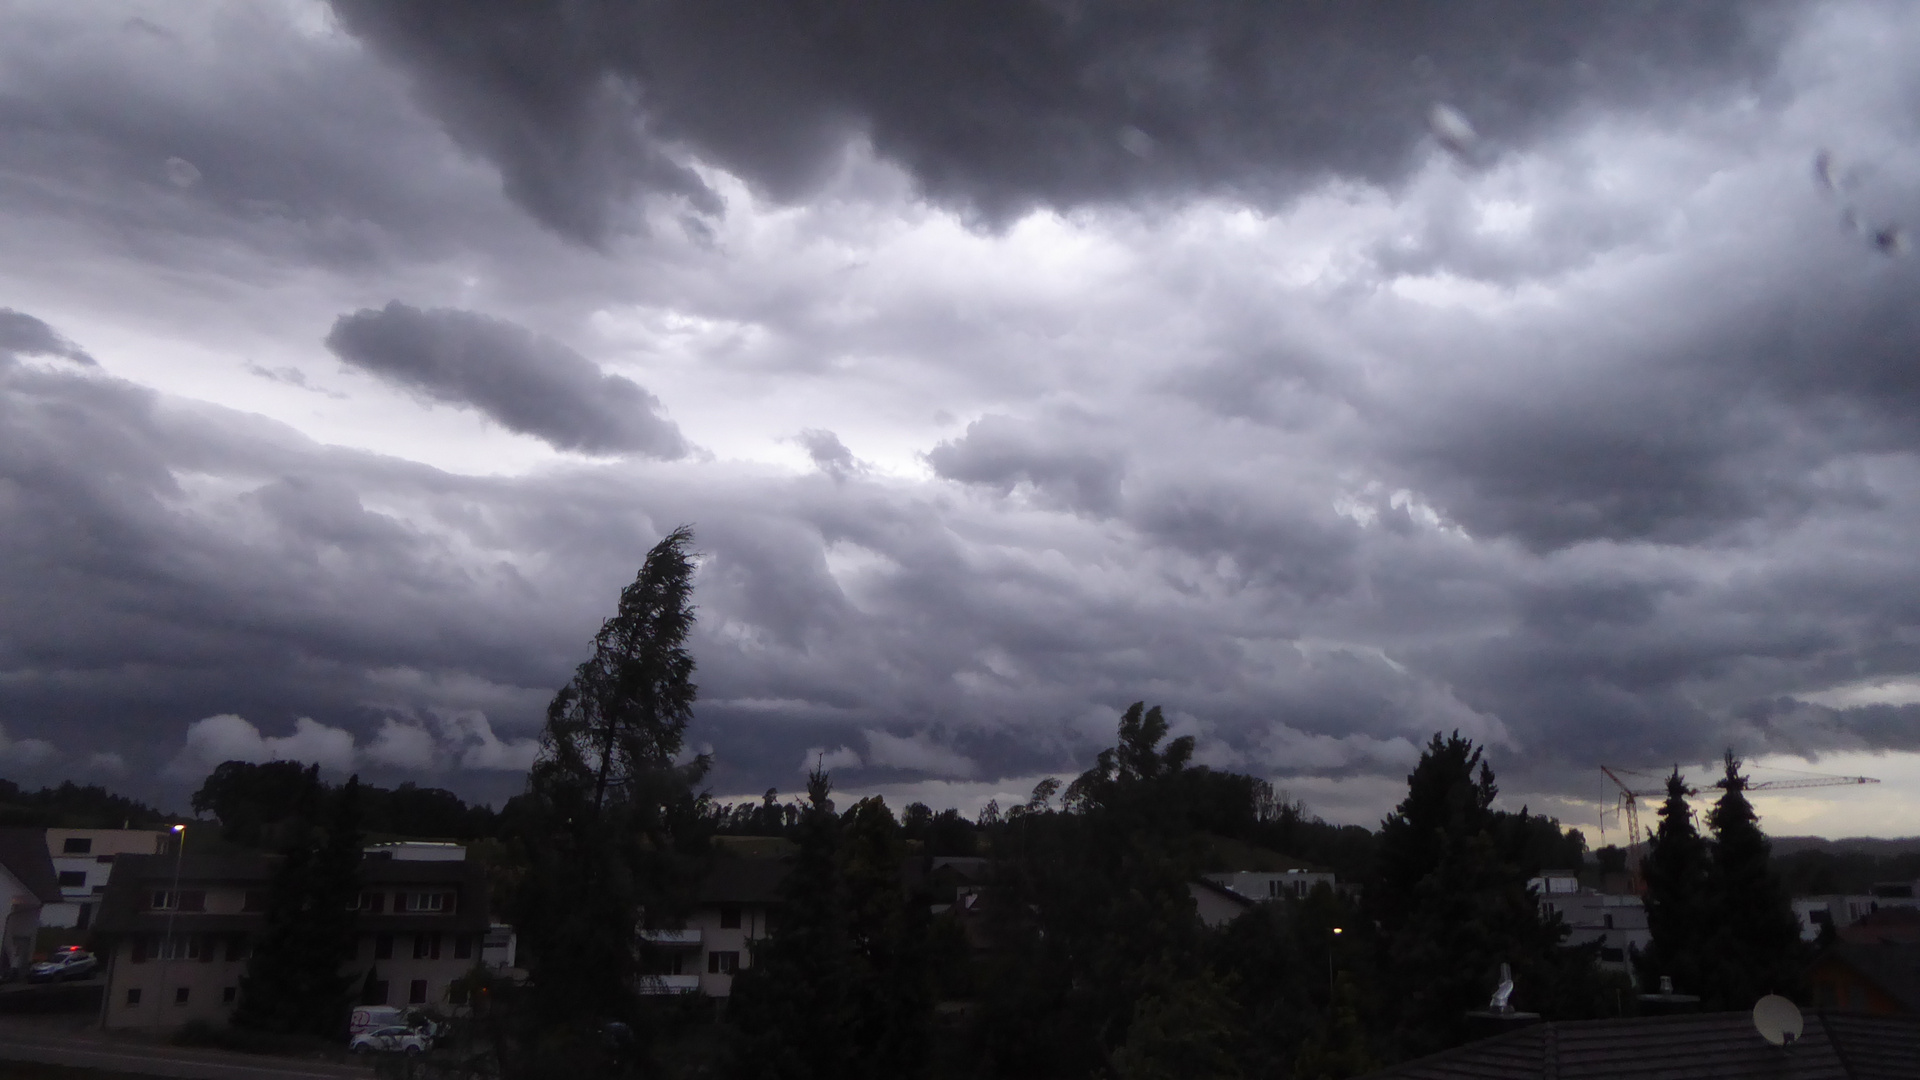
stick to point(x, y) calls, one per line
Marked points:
point(70, 963)
point(391, 1040)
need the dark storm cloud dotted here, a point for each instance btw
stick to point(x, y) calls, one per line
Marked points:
point(24, 335)
point(527, 383)
point(1061, 460)
point(1002, 106)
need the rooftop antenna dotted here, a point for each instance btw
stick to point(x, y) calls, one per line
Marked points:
point(1777, 1019)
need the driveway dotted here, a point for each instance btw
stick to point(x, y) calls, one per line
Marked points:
point(22, 1039)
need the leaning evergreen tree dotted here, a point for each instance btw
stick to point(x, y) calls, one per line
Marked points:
point(294, 981)
point(614, 818)
point(1755, 942)
point(1678, 871)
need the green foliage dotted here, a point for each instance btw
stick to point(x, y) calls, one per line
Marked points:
point(1453, 901)
point(251, 801)
point(843, 985)
point(293, 983)
point(1339, 1049)
point(71, 806)
point(1183, 1029)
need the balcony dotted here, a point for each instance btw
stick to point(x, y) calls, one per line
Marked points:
point(670, 984)
point(671, 939)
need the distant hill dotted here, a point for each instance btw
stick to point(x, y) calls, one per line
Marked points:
point(1875, 846)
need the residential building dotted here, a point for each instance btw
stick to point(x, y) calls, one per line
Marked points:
point(1842, 911)
point(27, 885)
point(1617, 922)
point(1258, 885)
point(82, 860)
point(1216, 904)
point(734, 905)
point(175, 952)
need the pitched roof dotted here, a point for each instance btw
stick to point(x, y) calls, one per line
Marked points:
point(743, 881)
point(1893, 967)
point(1702, 1046)
point(24, 853)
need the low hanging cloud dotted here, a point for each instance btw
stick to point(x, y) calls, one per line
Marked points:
point(23, 335)
point(524, 382)
point(25, 753)
point(435, 744)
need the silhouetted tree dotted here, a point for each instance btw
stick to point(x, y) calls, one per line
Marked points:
point(612, 821)
point(294, 981)
point(1755, 945)
point(250, 799)
point(1678, 873)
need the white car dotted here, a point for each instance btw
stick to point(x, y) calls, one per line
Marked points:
point(391, 1040)
point(66, 964)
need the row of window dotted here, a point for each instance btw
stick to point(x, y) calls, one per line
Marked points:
point(237, 947)
point(437, 902)
point(183, 995)
point(377, 994)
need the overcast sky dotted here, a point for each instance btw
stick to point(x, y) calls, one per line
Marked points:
point(1327, 374)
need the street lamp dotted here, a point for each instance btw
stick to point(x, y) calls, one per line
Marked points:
point(173, 905)
point(1330, 940)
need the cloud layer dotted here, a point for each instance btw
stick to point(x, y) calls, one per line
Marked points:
point(1038, 365)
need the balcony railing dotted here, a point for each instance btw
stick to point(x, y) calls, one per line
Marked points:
point(672, 939)
point(669, 984)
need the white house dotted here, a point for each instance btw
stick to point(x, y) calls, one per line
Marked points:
point(733, 907)
point(1258, 885)
point(27, 884)
point(82, 861)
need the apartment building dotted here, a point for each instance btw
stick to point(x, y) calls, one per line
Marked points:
point(175, 951)
point(734, 905)
point(83, 860)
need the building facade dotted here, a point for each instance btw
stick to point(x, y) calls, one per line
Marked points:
point(175, 951)
point(734, 906)
point(27, 886)
point(83, 860)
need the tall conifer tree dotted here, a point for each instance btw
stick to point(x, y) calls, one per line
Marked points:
point(1755, 941)
point(1678, 872)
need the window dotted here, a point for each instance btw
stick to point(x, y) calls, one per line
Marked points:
point(160, 900)
point(229, 995)
point(256, 900)
point(76, 845)
point(383, 947)
point(373, 902)
point(417, 992)
point(425, 903)
point(729, 918)
point(426, 946)
point(237, 948)
point(133, 997)
point(723, 963)
point(184, 900)
point(462, 947)
point(180, 995)
point(1608, 918)
point(73, 879)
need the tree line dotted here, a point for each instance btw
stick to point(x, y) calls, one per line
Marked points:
point(1084, 956)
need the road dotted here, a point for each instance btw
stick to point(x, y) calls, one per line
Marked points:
point(93, 1050)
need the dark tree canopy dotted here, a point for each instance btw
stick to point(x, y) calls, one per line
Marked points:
point(1754, 944)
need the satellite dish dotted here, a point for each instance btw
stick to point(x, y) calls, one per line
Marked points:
point(1777, 1019)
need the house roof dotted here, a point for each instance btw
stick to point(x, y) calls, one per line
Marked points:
point(24, 853)
point(1701, 1046)
point(120, 909)
point(1893, 967)
point(1221, 890)
point(742, 881)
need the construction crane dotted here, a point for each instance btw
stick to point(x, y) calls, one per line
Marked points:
point(1628, 804)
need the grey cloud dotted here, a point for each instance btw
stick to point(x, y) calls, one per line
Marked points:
point(1003, 106)
point(23, 335)
point(527, 383)
point(828, 453)
point(1064, 466)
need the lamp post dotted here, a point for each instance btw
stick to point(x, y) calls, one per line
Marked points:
point(173, 905)
point(1331, 938)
